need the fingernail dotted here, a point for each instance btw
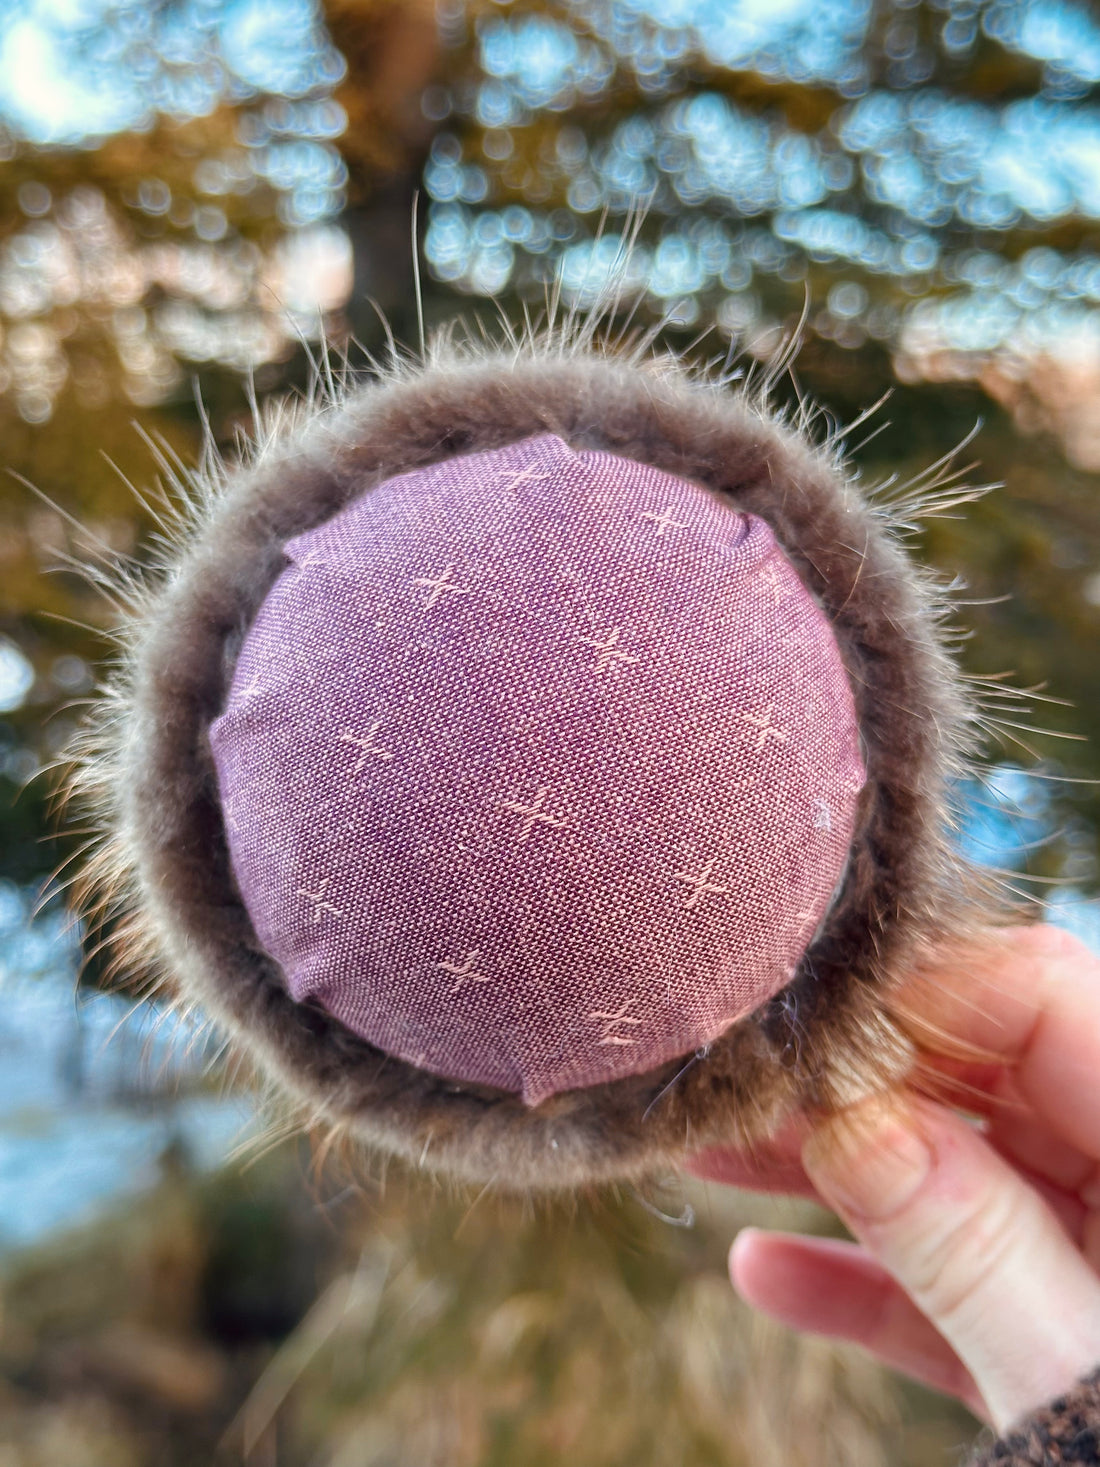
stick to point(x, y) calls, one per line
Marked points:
point(743, 1240)
point(738, 1248)
point(869, 1162)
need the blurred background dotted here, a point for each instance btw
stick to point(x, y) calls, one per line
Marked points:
point(193, 193)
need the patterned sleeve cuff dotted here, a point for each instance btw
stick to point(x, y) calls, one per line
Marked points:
point(1067, 1430)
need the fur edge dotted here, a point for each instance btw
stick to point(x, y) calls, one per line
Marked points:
point(164, 861)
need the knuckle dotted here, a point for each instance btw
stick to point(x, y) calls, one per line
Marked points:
point(1042, 940)
point(965, 1267)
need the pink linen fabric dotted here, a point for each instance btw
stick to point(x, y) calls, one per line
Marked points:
point(539, 767)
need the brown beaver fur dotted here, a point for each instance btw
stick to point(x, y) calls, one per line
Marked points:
point(145, 763)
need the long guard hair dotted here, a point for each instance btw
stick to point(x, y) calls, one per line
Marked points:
point(160, 870)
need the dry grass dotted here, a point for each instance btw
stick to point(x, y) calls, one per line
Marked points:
point(244, 1321)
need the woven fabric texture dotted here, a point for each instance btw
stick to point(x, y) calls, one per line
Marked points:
point(539, 768)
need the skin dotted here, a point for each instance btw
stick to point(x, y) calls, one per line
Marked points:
point(974, 1196)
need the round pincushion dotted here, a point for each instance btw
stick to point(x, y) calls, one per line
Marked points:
point(536, 765)
point(540, 768)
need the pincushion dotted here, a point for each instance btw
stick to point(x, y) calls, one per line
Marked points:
point(540, 767)
point(535, 763)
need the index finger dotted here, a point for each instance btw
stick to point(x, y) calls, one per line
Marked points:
point(1028, 998)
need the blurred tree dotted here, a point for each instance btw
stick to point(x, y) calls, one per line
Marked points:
point(169, 186)
point(189, 188)
point(885, 153)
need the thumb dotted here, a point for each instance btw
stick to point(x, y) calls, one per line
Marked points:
point(977, 1249)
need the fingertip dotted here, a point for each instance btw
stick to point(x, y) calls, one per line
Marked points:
point(774, 1167)
point(871, 1160)
point(741, 1242)
point(744, 1255)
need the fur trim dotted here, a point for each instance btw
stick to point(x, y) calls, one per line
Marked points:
point(146, 766)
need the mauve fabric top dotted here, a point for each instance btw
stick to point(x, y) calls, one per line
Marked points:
point(539, 768)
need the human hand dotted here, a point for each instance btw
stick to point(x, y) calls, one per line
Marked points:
point(977, 1269)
